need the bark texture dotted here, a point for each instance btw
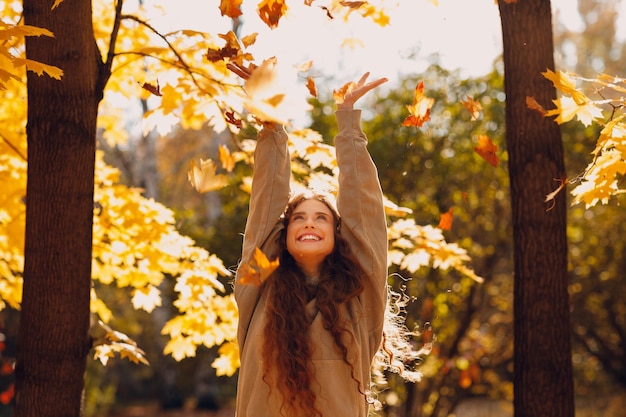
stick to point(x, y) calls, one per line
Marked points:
point(543, 381)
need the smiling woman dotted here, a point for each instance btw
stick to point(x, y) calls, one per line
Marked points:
point(309, 333)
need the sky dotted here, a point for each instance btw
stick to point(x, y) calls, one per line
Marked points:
point(464, 34)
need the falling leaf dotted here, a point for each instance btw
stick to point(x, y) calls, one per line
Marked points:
point(226, 158)
point(56, 4)
point(203, 177)
point(258, 269)
point(532, 104)
point(445, 219)
point(474, 107)
point(153, 89)
point(487, 150)
point(420, 109)
point(340, 93)
point(231, 50)
point(310, 85)
point(230, 118)
point(230, 8)
point(271, 11)
point(249, 39)
point(273, 94)
point(305, 66)
point(352, 4)
point(328, 13)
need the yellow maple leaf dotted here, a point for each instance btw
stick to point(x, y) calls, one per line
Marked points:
point(39, 68)
point(146, 298)
point(203, 177)
point(567, 108)
point(227, 159)
point(258, 269)
point(227, 362)
point(564, 83)
point(273, 94)
point(180, 347)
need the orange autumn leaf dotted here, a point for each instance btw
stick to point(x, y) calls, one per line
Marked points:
point(445, 219)
point(258, 269)
point(271, 11)
point(474, 107)
point(420, 109)
point(532, 104)
point(310, 85)
point(340, 93)
point(353, 4)
point(230, 8)
point(487, 150)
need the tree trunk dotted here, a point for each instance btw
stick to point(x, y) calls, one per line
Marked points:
point(53, 340)
point(543, 381)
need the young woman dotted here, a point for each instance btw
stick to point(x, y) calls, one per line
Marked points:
point(308, 335)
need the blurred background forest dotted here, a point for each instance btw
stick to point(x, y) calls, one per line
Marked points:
point(469, 371)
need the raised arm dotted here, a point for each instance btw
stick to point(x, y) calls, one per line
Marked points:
point(270, 194)
point(360, 199)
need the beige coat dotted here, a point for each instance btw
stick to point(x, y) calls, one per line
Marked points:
point(364, 226)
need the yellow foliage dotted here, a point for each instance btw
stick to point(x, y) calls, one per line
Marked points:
point(135, 240)
point(602, 178)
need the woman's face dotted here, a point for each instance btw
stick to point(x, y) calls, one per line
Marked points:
point(311, 232)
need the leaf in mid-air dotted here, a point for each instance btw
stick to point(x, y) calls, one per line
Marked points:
point(153, 89)
point(310, 85)
point(445, 219)
point(420, 109)
point(487, 150)
point(271, 11)
point(474, 107)
point(227, 159)
point(340, 93)
point(273, 94)
point(532, 104)
point(352, 4)
point(203, 178)
point(230, 8)
point(258, 269)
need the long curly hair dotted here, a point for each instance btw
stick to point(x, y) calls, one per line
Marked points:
point(286, 351)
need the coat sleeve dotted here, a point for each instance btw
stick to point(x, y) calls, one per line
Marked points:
point(270, 195)
point(360, 204)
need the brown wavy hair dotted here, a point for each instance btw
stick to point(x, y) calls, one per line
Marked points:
point(286, 350)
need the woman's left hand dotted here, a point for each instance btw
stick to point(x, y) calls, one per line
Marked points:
point(358, 90)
